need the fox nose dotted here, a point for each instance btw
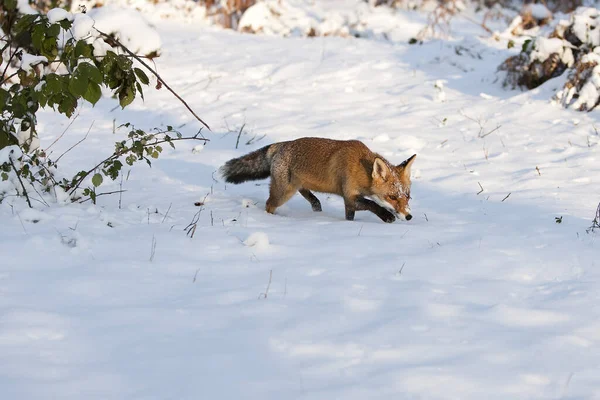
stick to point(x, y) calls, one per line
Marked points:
point(408, 217)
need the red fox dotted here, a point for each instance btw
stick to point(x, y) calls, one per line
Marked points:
point(346, 168)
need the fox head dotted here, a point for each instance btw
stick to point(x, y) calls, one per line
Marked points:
point(391, 186)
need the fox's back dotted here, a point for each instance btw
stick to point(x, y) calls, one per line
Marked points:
point(321, 164)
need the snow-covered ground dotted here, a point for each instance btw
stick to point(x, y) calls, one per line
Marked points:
point(483, 295)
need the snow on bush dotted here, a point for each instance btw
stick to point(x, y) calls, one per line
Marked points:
point(294, 18)
point(540, 59)
point(128, 26)
point(574, 45)
point(531, 17)
point(582, 90)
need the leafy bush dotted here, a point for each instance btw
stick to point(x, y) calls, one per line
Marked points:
point(55, 61)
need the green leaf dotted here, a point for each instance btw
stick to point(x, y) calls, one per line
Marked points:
point(90, 71)
point(139, 88)
point(93, 93)
point(38, 36)
point(4, 98)
point(49, 48)
point(83, 49)
point(141, 76)
point(78, 84)
point(25, 22)
point(10, 4)
point(67, 105)
point(53, 84)
point(53, 30)
point(97, 180)
point(124, 62)
point(4, 176)
point(126, 96)
point(66, 24)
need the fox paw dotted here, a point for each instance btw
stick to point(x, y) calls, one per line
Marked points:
point(387, 217)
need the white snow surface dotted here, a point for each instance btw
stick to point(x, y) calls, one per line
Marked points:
point(482, 295)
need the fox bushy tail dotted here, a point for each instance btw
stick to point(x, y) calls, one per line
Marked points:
point(251, 167)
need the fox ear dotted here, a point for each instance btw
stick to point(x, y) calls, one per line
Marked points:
point(380, 169)
point(404, 167)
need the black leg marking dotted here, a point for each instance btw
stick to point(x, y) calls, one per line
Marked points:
point(312, 199)
point(369, 205)
point(350, 214)
point(350, 206)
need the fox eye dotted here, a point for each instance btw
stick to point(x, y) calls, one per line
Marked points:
point(393, 198)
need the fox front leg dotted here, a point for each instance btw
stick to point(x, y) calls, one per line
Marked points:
point(369, 205)
point(350, 206)
point(312, 199)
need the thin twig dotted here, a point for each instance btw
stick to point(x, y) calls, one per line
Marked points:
point(167, 213)
point(65, 131)
point(506, 197)
point(120, 191)
point(124, 151)
point(481, 24)
point(9, 78)
point(22, 224)
point(76, 144)
point(153, 248)
point(401, 268)
point(490, 132)
point(19, 178)
point(103, 194)
point(480, 187)
point(238, 137)
point(190, 229)
point(161, 80)
point(266, 293)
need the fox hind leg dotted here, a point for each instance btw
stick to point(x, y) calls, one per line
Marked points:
point(279, 193)
point(312, 199)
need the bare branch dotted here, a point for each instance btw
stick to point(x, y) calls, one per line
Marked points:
point(76, 144)
point(266, 292)
point(161, 80)
point(65, 131)
point(19, 178)
point(239, 134)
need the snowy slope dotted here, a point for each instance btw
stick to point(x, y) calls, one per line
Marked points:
point(476, 297)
